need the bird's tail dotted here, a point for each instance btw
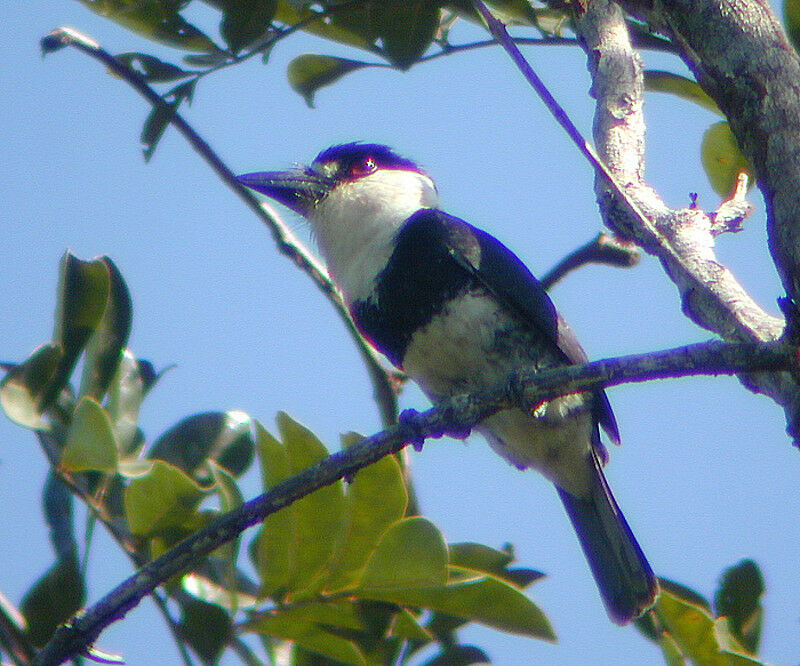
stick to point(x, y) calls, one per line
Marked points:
point(625, 579)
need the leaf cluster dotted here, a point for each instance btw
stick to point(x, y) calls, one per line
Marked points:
point(343, 573)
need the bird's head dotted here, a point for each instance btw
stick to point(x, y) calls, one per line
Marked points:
point(355, 196)
point(354, 181)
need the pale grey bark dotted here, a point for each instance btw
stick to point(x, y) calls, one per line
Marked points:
point(683, 239)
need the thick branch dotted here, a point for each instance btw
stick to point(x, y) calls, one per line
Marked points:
point(456, 416)
point(743, 60)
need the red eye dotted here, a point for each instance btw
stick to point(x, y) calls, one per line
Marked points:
point(363, 167)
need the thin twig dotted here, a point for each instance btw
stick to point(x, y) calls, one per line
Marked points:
point(457, 415)
point(287, 243)
point(602, 249)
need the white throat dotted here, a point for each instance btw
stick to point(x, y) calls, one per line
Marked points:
point(356, 223)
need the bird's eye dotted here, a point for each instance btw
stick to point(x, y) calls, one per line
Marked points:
point(363, 167)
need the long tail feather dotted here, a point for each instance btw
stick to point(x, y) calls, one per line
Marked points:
point(625, 579)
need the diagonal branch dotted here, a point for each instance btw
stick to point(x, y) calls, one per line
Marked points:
point(682, 239)
point(288, 244)
point(455, 416)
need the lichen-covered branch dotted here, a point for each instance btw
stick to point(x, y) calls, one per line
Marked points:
point(456, 416)
point(741, 57)
point(682, 239)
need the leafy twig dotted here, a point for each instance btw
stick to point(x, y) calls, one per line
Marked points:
point(287, 243)
point(457, 415)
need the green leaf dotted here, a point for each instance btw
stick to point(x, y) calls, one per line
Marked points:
point(483, 599)
point(151, 68)
point(58, 503)
point(376, 498)
point(406, 28)
point(722, 159)
point(223, 437)
point(317, 518)
point(206, 627)
point(739, 599)
point(107, 343)
point(334, 30)
point(310, 636)
point(90, 440)
point(274, 545)
point(53, 599)
point(674, 84)
point(156, 124)
point(162, 500)
point(308, 73)
point(22, 389)
point(154, 19)
point(484, 559)
point(791, 18)
point(696, 633)
point(341, 613)
point(83, 293)
point(212, 592)
point(126, 393)
point(244, 21)
point(406, 626)
point(459, 655)
point(411, 553)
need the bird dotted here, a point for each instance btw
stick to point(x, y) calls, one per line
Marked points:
point(458, 312)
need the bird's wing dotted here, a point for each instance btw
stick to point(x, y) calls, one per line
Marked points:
point(504, 275)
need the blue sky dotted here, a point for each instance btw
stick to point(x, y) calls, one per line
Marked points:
point(706, 474)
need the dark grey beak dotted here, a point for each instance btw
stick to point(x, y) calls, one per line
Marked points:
point(298, 189)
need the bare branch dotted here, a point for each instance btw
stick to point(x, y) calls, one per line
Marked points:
point(683, 239)
point(741, 57)
point(287, 243)
point(455, 416)
point(602, 249)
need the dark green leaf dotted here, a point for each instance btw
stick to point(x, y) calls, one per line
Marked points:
point(459, 655)
point(162, 500)
point(206, 627)
point(335, 30)
point(83, 293)
point(53, 599)
point(308, 73)
point(406, 28)
point(90, 440)
point(156, 124)
point(105, 348)
point(791, 18)
point(376, 498)
point(739, 599)
point(244, 21)
point(722, 159)
point(220, 436)
point(22, 389)
point(151, 68)
point(156, 20)
point(57, 502)
point(685, 593)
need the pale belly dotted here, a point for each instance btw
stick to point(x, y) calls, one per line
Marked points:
point(473, 345)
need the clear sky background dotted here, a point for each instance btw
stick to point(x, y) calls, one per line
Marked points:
point(706, 475)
